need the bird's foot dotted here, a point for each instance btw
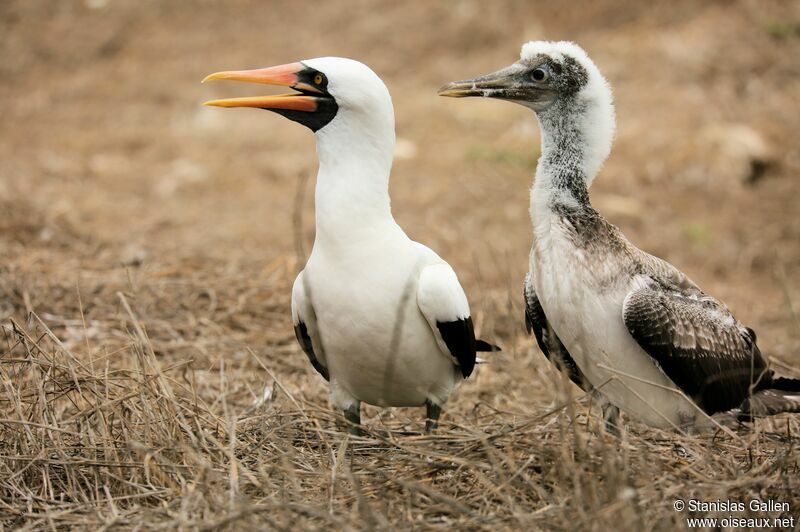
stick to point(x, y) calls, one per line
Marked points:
point(356, 431)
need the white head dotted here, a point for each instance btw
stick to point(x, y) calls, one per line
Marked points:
point(358, 91)
point(566, 90)
point(329, 90)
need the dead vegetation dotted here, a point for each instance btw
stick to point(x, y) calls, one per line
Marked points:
point(150, 377)
point(98, 443)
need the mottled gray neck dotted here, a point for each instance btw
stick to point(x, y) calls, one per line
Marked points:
point(577, 133)
point(561, 173)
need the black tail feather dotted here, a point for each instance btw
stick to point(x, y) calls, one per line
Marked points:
point(485, 347)
point(786, 384)
point(770, 402)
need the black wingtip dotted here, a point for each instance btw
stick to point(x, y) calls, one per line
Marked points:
point(301, 332)
point(485, 347)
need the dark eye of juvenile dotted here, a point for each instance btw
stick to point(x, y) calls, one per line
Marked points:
point(539, 74)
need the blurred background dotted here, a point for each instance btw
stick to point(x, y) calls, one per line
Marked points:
point(116, 180)
point(115, 177)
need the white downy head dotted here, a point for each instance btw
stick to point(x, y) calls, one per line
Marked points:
point(569, 95)
point(586, 100)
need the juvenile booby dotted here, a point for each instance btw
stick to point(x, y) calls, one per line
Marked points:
point(381, 317)
point(623, 324)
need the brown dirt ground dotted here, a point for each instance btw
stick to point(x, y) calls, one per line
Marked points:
point(116, 185)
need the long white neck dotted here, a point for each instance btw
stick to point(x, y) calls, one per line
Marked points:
point(576, 138)
point(352, 194)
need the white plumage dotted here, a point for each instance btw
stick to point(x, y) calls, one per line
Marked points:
point(376, 302)
point(382, 317)
point(377, 295)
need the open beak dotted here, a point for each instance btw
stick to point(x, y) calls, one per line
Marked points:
point(283, 75)
point(503, 84)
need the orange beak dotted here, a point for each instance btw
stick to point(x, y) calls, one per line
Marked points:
point(282, 75)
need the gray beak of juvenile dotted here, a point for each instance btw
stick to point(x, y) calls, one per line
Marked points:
point(504, 84)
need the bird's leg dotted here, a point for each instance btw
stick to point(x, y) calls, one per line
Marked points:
point(432, 413)
point(610, 413)
point(611, 419)
point(687, 422)
point(352, 415)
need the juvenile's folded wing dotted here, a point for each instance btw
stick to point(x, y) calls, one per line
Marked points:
point(698, 344)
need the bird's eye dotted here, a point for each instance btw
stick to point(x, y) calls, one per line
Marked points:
point(318, 79)
point(539, 74)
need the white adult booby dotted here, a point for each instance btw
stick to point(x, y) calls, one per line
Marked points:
point(383, 318)
point(621, 323)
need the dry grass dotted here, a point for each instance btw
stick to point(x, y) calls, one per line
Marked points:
point(149, 371)
point(147, 445)
point(115, 423)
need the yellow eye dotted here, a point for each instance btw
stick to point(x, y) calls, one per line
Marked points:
point(318, 79)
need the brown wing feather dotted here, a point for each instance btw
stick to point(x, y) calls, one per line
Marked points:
point(696, 341)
